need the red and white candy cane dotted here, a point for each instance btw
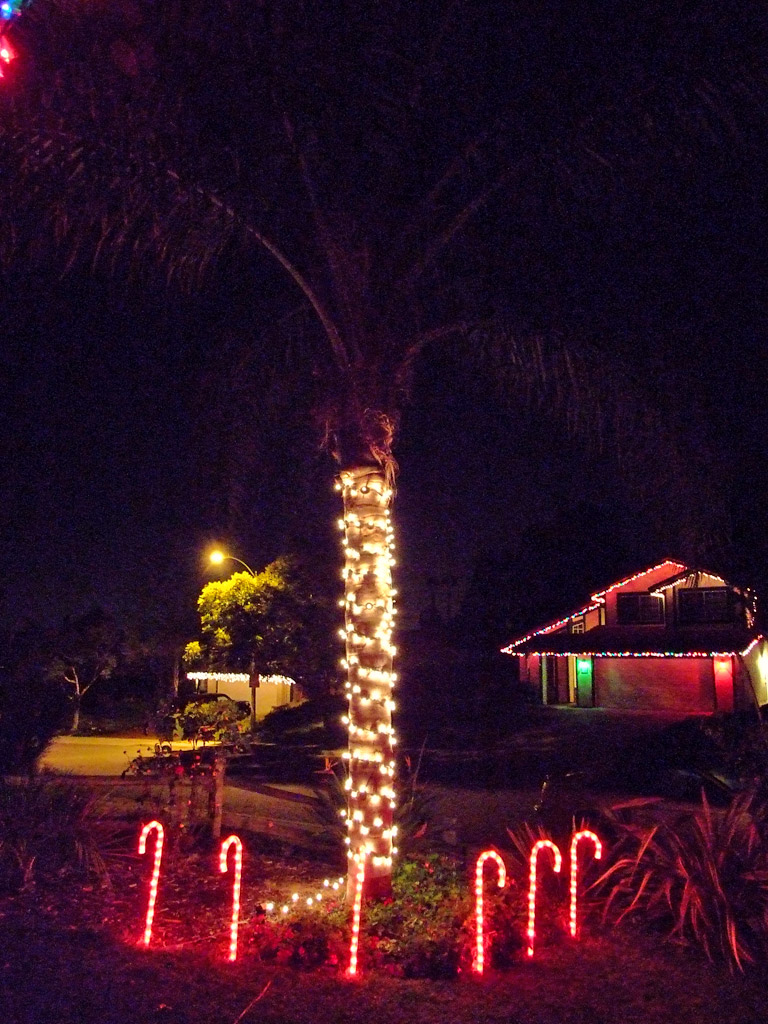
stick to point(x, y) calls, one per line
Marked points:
point(584, 834)
point(486, 855)
point(537, 847)
point(152, 826)
point(238, 874)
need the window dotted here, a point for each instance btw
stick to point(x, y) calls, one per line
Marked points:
point(704, 605)
point(639, 609)
point(577, 625)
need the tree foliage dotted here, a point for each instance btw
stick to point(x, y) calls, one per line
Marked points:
point(562, 187)
point(271, 622)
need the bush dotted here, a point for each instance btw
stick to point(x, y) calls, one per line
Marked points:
point(226, 719)
point(313, 722)
point(46, 829)
point(703, 880)
point(423, 931)
point(32, 710)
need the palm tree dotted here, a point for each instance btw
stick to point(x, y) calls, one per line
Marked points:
point(421, 174)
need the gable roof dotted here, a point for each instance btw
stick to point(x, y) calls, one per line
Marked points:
point(623, 641)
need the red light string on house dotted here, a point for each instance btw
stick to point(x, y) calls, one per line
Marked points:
point(152, 826)
point(486, 855)
point(537, 848)
point(238, 874)
point(550, 628)
point(637, 654)
point(584, 834)
point(675, 566)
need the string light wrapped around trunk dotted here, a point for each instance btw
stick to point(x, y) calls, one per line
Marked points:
point(369, 615)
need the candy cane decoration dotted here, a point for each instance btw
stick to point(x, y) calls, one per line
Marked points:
point(540, 845)
point(233, 841)
point(356, 908)
point(160, 835)
point(584, 834)
point(502, 871)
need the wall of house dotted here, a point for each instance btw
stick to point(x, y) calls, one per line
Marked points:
point(655, 684)
point(756, 666)
point(642, 584)
point(269, 695)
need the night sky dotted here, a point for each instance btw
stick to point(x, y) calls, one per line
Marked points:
point(131, 441)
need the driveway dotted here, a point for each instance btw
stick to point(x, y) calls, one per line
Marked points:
point(97, 755)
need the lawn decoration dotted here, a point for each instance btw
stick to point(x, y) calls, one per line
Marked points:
point(357, 907)
point(479, 930)
point(537, 848)
point(153, 826)
point(358, 884)
point(584, 834)
point(238, 874)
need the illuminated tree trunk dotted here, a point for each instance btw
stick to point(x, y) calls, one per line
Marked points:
point(369, 618)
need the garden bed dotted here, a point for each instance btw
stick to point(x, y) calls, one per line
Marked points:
point(72, 955)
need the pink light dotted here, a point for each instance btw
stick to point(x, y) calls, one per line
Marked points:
point(502, 872)
point(160, 835)
point(233, 841)
point(359, 860)
point(540, 845)
point(584, 834)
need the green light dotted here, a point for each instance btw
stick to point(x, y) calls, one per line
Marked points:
point(584, 666)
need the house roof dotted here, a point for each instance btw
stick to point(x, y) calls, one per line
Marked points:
point(551, 635)
point(644, 641)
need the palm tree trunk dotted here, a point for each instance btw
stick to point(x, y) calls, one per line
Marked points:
point(369, 618)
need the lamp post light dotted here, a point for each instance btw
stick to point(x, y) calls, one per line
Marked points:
point(217, 557)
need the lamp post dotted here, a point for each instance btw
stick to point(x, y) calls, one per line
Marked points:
point(217, 557)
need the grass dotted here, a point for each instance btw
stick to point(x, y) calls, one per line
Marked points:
point(70, 955)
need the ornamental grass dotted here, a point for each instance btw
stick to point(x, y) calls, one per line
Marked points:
point(702, 880)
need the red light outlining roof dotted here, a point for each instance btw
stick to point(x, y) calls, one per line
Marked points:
point(631, 654)
point(549, 628)
point(678, 566)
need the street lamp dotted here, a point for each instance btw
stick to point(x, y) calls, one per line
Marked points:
point(217, 557)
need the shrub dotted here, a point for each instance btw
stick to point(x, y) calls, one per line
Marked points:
point(423, 931)
point(308, 939)
point(32, 710)
point(226, 719)
point(703, 880)
point(313, 722)
point(46, 829)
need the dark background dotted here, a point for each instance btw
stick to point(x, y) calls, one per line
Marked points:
point(131, 440)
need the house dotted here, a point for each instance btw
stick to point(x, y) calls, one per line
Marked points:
point(263, 693)
point(671, 638)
